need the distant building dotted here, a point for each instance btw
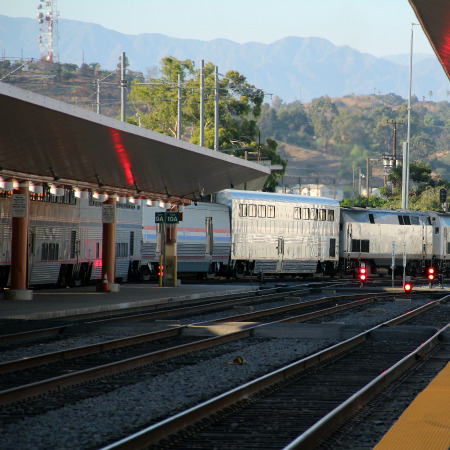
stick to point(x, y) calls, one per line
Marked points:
point(314, 190)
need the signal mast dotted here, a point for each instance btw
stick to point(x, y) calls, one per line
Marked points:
point(48, 30)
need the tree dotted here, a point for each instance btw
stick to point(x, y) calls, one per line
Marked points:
point(322, 114)
point(156, 101)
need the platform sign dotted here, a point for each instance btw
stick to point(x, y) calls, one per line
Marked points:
point(20, 205)
point(172, 217)
point(108, 213)
point(167, 217)
point(159, 217)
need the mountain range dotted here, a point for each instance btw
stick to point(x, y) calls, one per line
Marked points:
point(293, 68)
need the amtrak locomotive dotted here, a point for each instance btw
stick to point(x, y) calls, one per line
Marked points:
point(241, 232)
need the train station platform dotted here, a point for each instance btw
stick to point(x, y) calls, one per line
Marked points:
point(426, 422)
point(60, 303)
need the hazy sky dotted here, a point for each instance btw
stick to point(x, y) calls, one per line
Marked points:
point(378, 27)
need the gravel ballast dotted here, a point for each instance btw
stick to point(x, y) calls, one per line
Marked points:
point(106, 418)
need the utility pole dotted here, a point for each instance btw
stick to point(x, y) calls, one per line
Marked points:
point(123, 87)
point(179, 108)
point(216, 109)
point(99, 108)
point(394, 150)
point(202, 104)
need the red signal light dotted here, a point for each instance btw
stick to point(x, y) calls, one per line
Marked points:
point(362, 274)
point(431, 273)
point(407, 287)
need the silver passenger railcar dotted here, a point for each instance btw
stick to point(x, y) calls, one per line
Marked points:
point(373, 236)
point(282, 233)
point(203, 240)
point(65, 239)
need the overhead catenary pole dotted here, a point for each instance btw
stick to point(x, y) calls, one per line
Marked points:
point(405, 182)
point(179, 108)
point(202, 104)
point(216, 110)
point(123, 86)
point(99, 107)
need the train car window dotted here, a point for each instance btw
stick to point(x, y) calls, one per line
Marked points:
point(415, 220)
point(297, 213)
point(261, 210)
point(400, 220)
point(44, 252)
point(356, 245)
point(313, 213)
point(448, 248)
point(53, 251)
point(365, 245)
point(50, 252)
point(330, 216)
point(371, 218)
point(271, 212)
point(252, 210)
point(131, 243)
point(122, 249)
point(242, 210)
point(406, 220)
point(305, 213)
point(322, 214)
point(332, 248)
point(436, 230)
point(73, 240)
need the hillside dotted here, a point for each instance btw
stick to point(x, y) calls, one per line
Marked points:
point(358, 126)
point(293, 68)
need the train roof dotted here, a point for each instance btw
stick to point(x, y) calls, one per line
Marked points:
point(395, 212)
point(230, 194)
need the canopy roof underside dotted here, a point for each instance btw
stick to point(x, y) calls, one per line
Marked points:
point(42, 139)
point(434, 17)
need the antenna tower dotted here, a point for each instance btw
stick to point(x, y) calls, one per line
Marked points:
point(48, 30)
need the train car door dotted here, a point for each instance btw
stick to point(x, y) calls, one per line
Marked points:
point(31, 251)
point(280, 250)
point(209, 236)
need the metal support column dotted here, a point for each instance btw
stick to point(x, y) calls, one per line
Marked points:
point(19, 245)
point(109, 242)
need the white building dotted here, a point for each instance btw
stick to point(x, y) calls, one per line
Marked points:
point(314, 190)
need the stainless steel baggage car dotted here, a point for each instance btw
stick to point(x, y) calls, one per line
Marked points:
point(372, 236)
point(282, 233)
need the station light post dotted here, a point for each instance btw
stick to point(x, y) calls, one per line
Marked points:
point(406, 145)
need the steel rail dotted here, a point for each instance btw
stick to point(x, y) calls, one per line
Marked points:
point(63, 381)
point(64, 355)
point(324, 427)
point(33, 334)
point(155, 433)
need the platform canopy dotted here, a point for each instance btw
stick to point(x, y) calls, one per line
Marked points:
point(434, 17)
point(45, 140)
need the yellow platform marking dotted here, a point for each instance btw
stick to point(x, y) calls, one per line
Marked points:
point(425, 424)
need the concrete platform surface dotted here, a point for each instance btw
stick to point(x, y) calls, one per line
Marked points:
point(56, 303)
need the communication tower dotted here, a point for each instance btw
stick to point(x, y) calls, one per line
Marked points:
point(48, 30)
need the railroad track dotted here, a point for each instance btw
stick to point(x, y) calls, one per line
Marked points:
point(31, 376)
point(56, 392)
point(298, 405)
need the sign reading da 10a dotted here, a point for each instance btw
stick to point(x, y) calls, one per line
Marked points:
point(167, 217)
